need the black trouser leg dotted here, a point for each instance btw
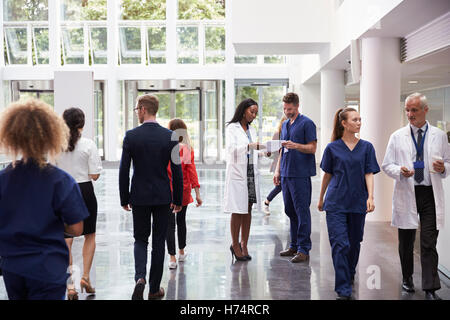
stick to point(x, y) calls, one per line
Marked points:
point(181, 228)
point(428, 238)
point(160, 216)
point(406, 238)
point(171, 233)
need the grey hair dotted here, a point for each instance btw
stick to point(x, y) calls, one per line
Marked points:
point(422, 97)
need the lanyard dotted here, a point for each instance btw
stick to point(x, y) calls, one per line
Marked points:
point(419, 149)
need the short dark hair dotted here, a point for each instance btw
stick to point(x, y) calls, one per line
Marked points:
point(291, 97)
point(240, 110)
point(149, 102)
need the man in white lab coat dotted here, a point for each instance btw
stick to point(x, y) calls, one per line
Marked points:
point(418, 158)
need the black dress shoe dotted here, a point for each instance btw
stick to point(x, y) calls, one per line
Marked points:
point(408, 285)
point(138, 293)
point(431, 295)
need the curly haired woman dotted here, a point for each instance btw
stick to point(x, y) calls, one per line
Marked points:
point(38, 203)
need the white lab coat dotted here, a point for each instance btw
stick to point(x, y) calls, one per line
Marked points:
point(400, 152)
point(236, 192)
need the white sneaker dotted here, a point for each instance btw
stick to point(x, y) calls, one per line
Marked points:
point(172, 265)
point(182, 257)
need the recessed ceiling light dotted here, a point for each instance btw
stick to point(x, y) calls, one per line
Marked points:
point(413, 81)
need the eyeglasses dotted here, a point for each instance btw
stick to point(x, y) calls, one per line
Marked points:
point(136, 109)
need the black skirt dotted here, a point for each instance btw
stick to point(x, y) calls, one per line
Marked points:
point(251, 183)
point(90, 223)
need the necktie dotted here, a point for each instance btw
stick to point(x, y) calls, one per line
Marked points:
point(418, 173)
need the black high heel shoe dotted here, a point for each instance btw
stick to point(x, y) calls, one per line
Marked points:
point(233, 254)
point(248, 257)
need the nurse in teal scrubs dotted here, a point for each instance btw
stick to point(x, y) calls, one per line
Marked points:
point(349, 164)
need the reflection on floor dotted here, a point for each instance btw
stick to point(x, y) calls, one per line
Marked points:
point(208, 272)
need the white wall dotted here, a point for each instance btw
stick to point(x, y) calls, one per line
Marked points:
point(348, 22)
point(285, 24)
point(310, 106)
point(76, 89)
point(444, 234)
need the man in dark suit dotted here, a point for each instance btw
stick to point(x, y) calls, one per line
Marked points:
point(152, 148)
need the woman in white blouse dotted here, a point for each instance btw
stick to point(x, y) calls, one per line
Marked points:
point(83, 163)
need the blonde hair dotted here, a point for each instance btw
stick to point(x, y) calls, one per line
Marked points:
point(32, 129)
point(280, 125)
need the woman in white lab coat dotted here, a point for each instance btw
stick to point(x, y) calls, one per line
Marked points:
point(241, 174)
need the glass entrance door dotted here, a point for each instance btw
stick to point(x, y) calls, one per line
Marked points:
point(182, 104)
point(196, 102)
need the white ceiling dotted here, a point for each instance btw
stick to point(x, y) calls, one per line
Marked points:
point(431, 71)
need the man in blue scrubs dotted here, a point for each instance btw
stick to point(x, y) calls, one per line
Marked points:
point(295, 168)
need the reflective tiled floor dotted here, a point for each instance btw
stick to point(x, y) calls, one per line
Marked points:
point(208, 272)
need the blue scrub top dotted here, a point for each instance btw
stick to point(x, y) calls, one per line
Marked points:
point(296, 164)
point(347, 191)
point(34, 205)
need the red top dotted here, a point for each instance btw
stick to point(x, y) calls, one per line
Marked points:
point(190, 178)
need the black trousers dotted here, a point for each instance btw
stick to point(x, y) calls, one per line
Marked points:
point(428, 238)
point(143, 226)
point(178, 219)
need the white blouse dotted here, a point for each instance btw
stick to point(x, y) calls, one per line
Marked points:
point(82, 161)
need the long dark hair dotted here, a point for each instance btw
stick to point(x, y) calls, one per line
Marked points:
point(240, 110)
point(338, 129)
point(74, 118)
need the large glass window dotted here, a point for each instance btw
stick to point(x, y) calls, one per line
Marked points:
point(156, 44)
point(143, 10)
point(187, 44)
point(25, 10)
point(214, 44)
point(201, 9)
point(82, 10)
point(244, 59)
point(274, 59)
point(16, 45)
point(40, 45)
point(130, 45)
point(73, 45)
point(98, 39)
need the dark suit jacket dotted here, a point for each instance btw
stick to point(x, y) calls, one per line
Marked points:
point(150, 147)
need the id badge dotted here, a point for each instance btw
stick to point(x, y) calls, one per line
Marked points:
point(286, 150)
point(419, 165)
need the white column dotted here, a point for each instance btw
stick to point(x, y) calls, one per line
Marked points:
point(332, 97)
point(229, 73)
point(54, 30)
point(380, 109)
point(310, 106)
point(171, 38)
point(112, 88)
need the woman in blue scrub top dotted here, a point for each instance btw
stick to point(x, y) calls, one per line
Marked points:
point(349, 164)
point(38, 203)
